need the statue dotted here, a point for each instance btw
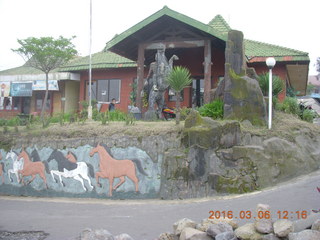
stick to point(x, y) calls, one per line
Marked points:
point(155, 84)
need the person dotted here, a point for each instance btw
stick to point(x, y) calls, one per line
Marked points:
point(112, 105)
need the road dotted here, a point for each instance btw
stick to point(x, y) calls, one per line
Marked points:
point(146, 219)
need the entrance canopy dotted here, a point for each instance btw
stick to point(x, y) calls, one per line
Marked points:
point(172, 29)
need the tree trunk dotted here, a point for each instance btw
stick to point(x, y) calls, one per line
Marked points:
point(178, 108)
point(45, 98)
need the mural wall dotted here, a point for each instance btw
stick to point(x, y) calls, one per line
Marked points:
point(86, 171)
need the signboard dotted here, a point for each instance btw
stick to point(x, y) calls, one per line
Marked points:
point(21, 89)
point(4, 89)
point(40, 85)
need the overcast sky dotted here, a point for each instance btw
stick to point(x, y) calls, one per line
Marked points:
point(290, 24)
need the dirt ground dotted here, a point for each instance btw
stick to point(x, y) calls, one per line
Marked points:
point(283, 125)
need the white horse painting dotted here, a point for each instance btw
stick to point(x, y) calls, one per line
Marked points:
point(17, 165)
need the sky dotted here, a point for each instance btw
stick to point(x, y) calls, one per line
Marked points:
point(291, 24)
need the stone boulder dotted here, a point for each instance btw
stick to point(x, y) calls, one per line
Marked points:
point(283, 227)
point(208, 133)
point(248, 232)
point(98, 234)
point(168, 236)
point(263, 225)
point(226, 236)
point(182, 224)
point(305, 235)
point(205, 223)
point(316, 225)
point(270, 236)
point(242, 96)
point(193, 234)
point(214, 229)
point(123, 236)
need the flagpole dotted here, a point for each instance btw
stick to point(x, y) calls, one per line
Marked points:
point(90, 65)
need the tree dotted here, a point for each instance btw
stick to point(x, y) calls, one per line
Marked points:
point(46, 54)
point(178, 79)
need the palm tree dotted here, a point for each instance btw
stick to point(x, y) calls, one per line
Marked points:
point(178, 79)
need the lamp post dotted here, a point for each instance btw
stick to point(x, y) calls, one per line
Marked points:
point(270, 63)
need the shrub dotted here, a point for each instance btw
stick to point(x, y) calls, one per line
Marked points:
point(213, 109)
point(117, 116)
point(308, 115)
point(289, 105)
point(13, 122)
point(104, 118)
point(277, 84)
point(3, 122)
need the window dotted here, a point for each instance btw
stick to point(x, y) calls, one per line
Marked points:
point(10, 103)
point(105, 90)
point(39, 101)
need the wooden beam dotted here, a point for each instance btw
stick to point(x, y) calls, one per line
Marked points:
point(140, 75)
point(207, 70)
point(175, 44)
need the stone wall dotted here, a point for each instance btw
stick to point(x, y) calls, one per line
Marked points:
point(205, 158)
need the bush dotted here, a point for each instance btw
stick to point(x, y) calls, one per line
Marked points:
point(213, 109)
point(289, 105)
point(277, 84)
point(117, 116)
point(13, 122)
point(308, 115)
point(3, 122)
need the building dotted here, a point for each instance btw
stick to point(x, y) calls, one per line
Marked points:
point(23, 90)
point(200, 47)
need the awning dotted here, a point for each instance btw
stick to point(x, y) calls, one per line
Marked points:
point(40, 85)
point(21, 89)
point(4, 89)
point(298, 77)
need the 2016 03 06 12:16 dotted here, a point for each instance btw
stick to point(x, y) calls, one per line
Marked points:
point(247, 214)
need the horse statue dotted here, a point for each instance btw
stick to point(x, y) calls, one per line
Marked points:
point(1, 168)
point(32, 168)
point(69, 167)
point(156, 84)
point(17, 165)
point(112, 168)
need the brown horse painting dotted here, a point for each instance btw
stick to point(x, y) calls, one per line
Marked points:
point(1, 169)
point(111, 168)
point(32, 168)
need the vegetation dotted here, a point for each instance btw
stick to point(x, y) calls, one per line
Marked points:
point(178, 79)
point(277, 84)
point(290, 105)
point(46, 54)
point(213, 109)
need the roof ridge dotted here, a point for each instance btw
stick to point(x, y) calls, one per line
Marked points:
point(170, 13)
point(278, 46)
point(219, 19)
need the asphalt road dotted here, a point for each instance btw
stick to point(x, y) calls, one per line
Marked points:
point(64, 219)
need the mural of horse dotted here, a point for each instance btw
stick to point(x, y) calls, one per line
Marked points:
point(69, 167)
point(17, 165)
point(33, 168)
point(1, 168)
point(111, 168)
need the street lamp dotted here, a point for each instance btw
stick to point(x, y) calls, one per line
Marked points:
point(270, 63)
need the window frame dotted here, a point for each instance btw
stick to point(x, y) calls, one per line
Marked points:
point(108, 90)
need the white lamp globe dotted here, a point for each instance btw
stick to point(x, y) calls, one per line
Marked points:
point(270, 62)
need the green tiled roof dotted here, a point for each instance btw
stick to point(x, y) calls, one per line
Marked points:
point(100, 60)
point(23, 70)
point(220, 24)
point(168, 12)
point(259, 50)
point(254, 49)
